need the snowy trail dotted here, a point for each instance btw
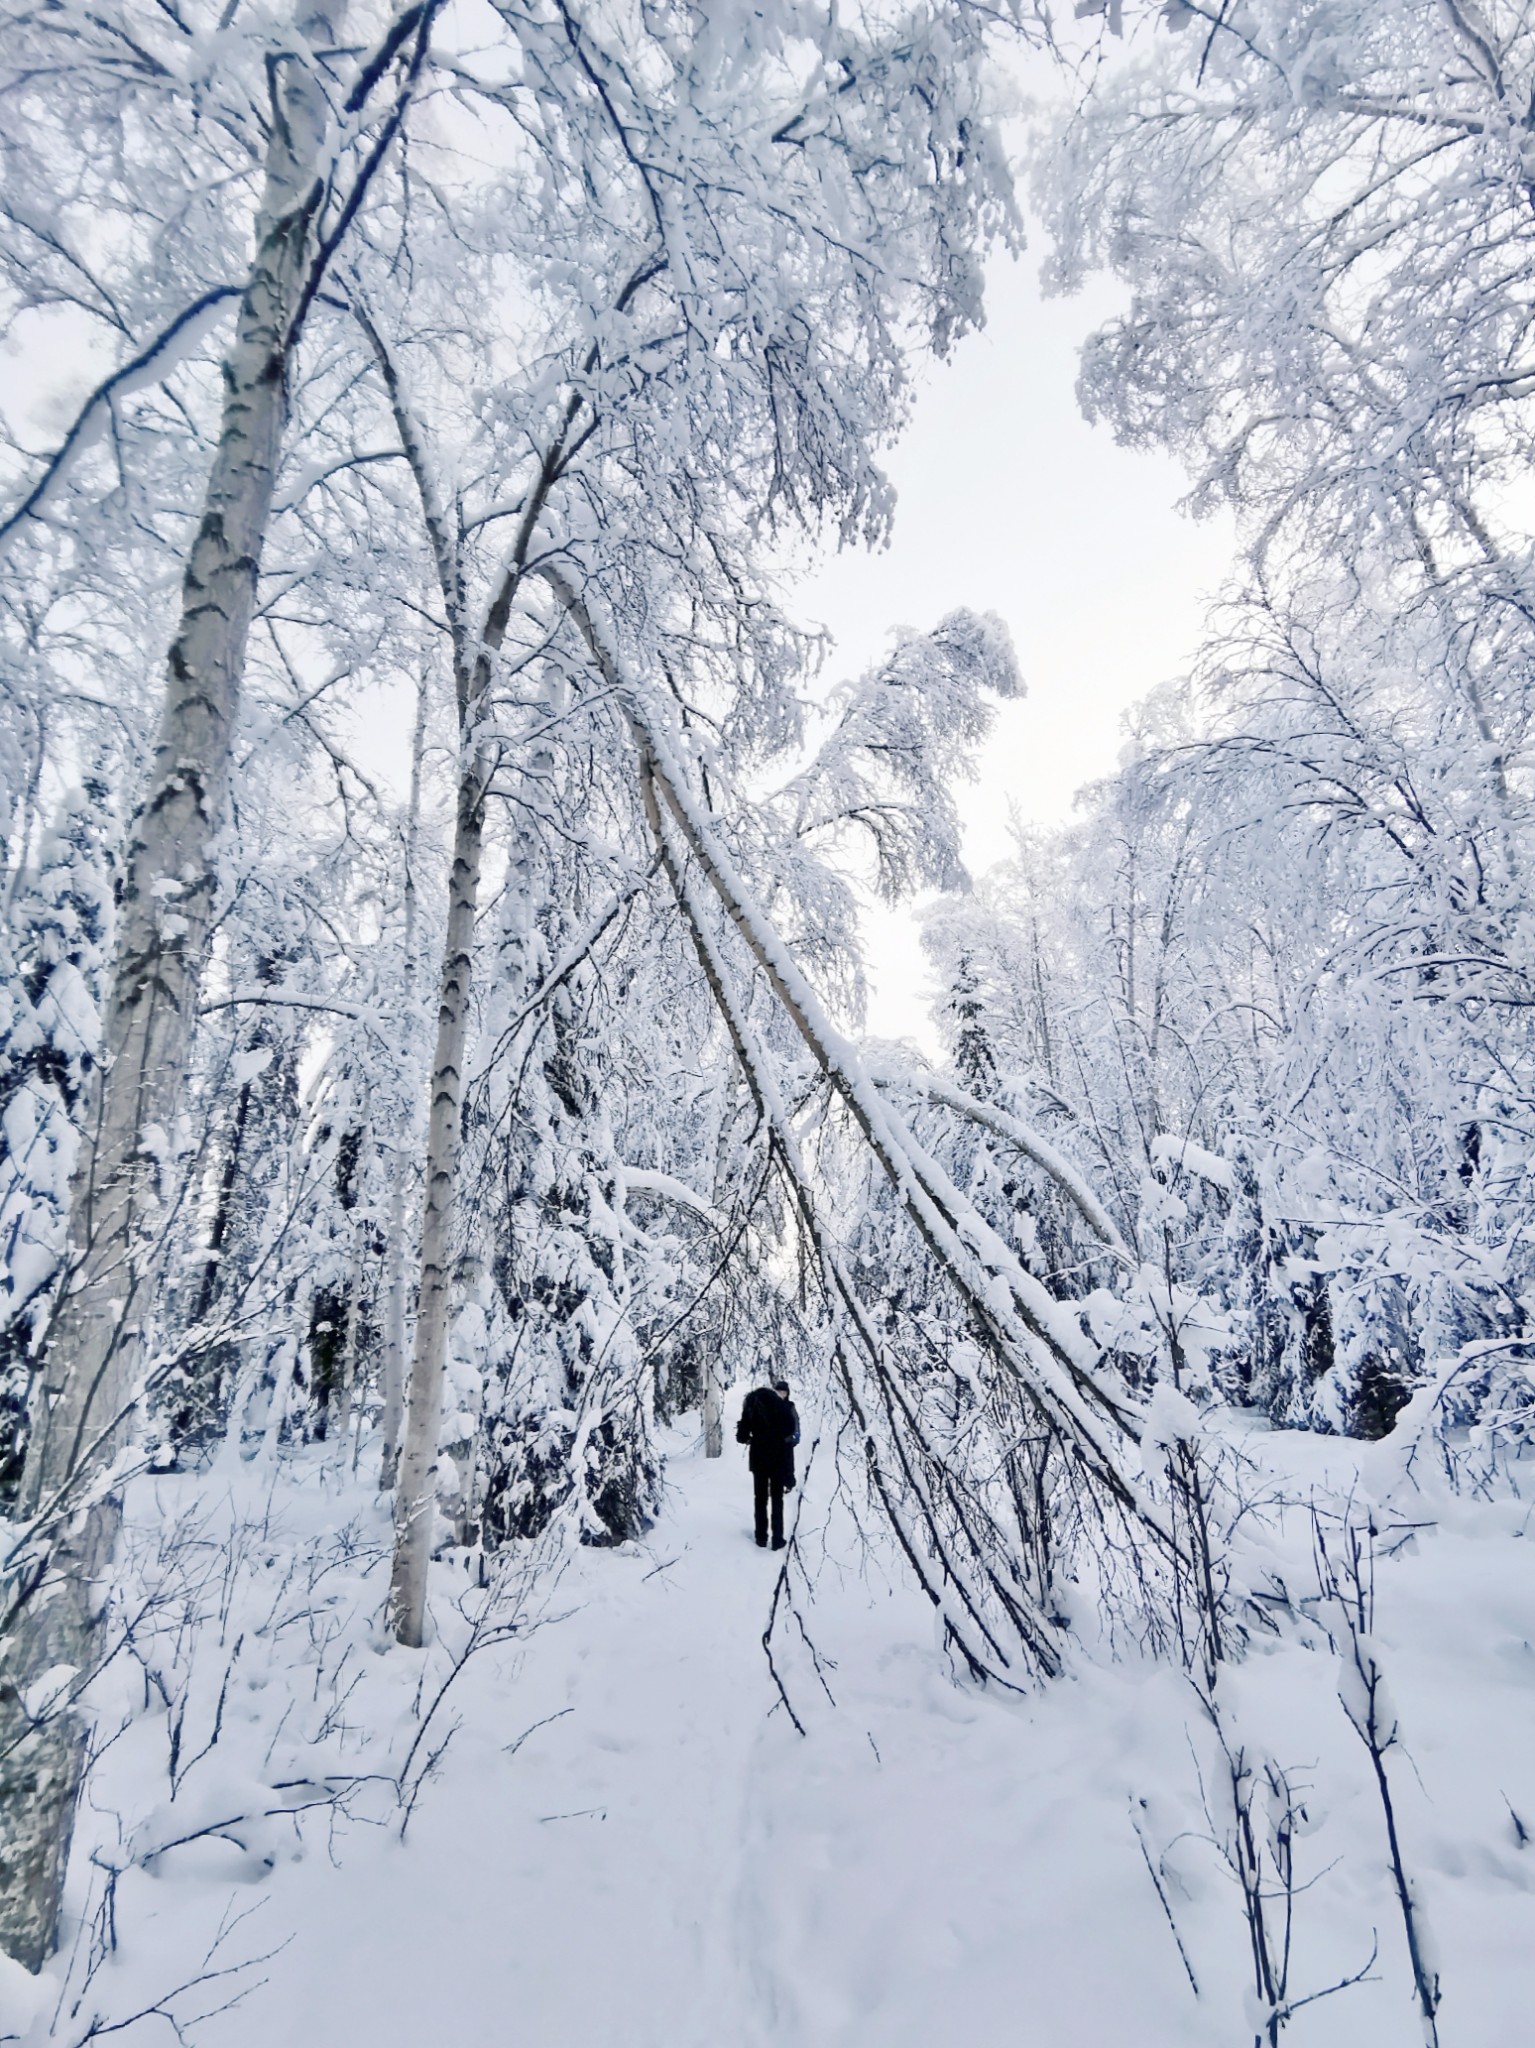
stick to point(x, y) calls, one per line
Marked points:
point(668, 1864)
point(560, 1893)
point(627, 1845)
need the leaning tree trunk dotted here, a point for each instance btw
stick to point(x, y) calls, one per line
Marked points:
point(87, 1387)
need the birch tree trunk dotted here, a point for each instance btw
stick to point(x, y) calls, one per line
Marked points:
point(714, 1415)
point(473, 656)
point(416, 1488)
point(399, 1249)
point(416, 1496)
point(87, 1385)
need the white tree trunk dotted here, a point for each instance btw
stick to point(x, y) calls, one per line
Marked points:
point(473, 654)
point(416, 1495)
point(714, 1415)
point(399, 1250)
point(394, 1331)
point(415, 1502)
point(87, 1386)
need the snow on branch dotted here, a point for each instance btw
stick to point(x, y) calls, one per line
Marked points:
point(1033, 1333)
point(905, 733)
point(152, 365)
point(1027, 1141)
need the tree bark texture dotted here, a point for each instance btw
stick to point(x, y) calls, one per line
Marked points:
point(415, 1500)
point(473, 658)
point(87, 1383)
point(399, 1250)
point(393, 1363)
point(713, 1417)
point(416, 1494)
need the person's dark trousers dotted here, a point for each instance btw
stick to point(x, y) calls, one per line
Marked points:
point(766, 1487)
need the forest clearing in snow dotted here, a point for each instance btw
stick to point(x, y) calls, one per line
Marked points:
point(432, 1082)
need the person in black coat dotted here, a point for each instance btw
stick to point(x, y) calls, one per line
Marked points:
point(769, 1425)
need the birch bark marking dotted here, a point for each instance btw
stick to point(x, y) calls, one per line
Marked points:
point(86, 1385)
point(416, 1498)
point(167, 898)
point(416, 1478)
point(473, 658)
point(399, 1249)
point(416, 1492)
point(713, 1413)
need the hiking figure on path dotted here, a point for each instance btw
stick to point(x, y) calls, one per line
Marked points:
point(769, 1424)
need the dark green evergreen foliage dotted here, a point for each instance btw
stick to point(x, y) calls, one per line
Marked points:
point(284, 1206)
point(974, 1061)
point(58, 939)
point(1313, 1308)
point(249, 1162)
point(15, 1390)
point(623, 1479)
point(1381, 1392)
point(330, 1315)
point(194, 1394)
point(333, 1305)
point(565, 1417)
point(679, 1376)
point(533, 1470)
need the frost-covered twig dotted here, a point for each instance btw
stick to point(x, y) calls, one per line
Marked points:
point(153, 363)
point(1029, 1142)
point(1346, 1574)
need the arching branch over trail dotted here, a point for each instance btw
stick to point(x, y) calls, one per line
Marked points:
point(1013, 1131)
point(1033, 1337)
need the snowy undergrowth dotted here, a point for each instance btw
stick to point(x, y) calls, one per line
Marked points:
point(1351, 1811)
point(253, 1713)
point(625, 1840)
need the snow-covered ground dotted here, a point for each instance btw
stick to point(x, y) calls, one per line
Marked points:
point(627, 1844)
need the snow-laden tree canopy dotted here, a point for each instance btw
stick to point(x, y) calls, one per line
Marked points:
point(432, 991)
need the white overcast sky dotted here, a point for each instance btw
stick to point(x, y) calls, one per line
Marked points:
point(1010, 502)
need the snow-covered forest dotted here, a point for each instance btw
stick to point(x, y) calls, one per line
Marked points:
point(435, 1086)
